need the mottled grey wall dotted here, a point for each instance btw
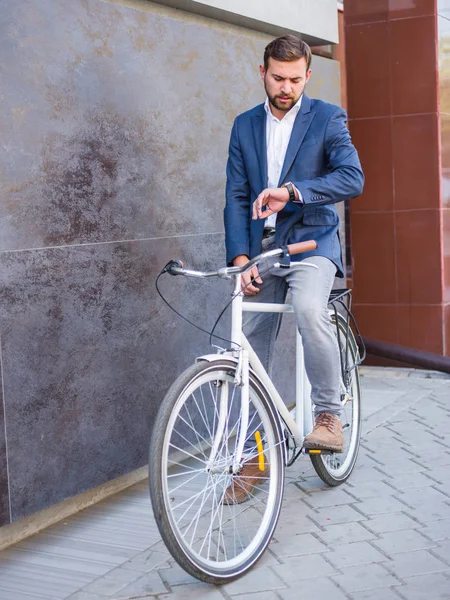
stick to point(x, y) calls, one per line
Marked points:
point(114, 130)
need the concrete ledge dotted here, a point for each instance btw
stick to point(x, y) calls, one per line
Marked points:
point(315, 22)
point(401, 372)
point(19, 530)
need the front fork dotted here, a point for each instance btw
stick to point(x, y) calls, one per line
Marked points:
point(242, 380)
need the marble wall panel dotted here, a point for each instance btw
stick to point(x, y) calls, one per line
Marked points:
point(110, 115)
point(89, 350)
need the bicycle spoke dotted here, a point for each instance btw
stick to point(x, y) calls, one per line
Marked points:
point(187, 453)
point(197, 515)
point(173, 490)
point(196, 433)
point(172, 475)
point(202, 414)
point(192, 498)
point(208, 533)
point(178, 464)
point(192, 446)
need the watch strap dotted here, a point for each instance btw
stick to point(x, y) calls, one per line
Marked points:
point(290, 188)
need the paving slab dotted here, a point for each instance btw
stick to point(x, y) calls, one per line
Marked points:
point(345, 533)
point(257, 596)
point(426, 587)
point(194, 591)
point(308, 567)
point(353, 554)
point(257, 580)
point(314, 589)
point(366, 577)
point(297, 545)
point(380, 524)
point(420, 562)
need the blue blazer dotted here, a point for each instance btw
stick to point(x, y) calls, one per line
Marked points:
point(320, 160)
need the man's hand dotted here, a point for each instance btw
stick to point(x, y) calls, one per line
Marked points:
point(274, 199)
point(246, 286)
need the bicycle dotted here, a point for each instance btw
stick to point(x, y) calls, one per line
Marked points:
point(198, 442)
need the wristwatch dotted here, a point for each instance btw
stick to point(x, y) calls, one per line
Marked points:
point(290, 188)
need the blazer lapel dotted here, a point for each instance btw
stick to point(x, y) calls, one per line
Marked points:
point(259, 135)
point(301, 126)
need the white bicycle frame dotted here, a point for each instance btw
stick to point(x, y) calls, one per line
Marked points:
point(248, 359)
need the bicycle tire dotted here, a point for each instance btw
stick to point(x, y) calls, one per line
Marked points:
point(334, 469)
point(236, 550)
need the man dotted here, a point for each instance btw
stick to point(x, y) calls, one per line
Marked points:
point(290, 160)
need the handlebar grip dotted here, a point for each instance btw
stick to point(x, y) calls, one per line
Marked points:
point(302, 247)
point(172, 266)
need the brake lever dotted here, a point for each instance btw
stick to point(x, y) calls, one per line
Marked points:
point(285, 262)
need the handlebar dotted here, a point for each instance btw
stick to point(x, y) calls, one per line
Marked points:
point(176, 267)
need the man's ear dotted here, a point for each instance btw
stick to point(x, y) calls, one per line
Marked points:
point(262, 71)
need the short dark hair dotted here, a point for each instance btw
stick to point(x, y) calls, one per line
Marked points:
point(287, 48)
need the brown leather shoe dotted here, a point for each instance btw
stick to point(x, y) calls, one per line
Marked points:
point(245, 481)
point(326, 435)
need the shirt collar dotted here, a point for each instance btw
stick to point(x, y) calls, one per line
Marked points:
point(294, 110)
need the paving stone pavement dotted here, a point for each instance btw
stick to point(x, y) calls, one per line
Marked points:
point(384, 535)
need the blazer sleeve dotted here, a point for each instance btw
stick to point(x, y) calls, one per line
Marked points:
point(345, 179)
point(237, 207)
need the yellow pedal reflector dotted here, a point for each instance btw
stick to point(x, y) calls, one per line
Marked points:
point(315, 451)
point(259, 447)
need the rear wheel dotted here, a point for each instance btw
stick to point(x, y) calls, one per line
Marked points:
point(336, 468)
point(214, 541)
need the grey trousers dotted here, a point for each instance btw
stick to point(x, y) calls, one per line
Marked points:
point(310, 288)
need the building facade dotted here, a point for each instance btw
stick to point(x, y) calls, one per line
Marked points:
point(115, 123)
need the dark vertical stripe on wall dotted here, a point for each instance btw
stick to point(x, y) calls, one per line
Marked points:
point(4, 484)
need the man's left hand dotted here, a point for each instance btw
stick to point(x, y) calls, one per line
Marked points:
point(274, 199)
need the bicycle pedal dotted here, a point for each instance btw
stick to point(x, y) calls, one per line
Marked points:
point(314, 451)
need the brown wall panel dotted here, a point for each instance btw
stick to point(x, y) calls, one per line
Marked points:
point(396, 118)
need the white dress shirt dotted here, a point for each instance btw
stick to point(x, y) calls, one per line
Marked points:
point(278, 134)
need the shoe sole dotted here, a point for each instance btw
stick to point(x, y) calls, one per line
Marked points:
point(330, 448)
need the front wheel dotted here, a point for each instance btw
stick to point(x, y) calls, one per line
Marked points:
point(335, 468)
point(192, 453)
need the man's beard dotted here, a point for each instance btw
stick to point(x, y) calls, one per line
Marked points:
point(274, 100)
point(285, 107)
